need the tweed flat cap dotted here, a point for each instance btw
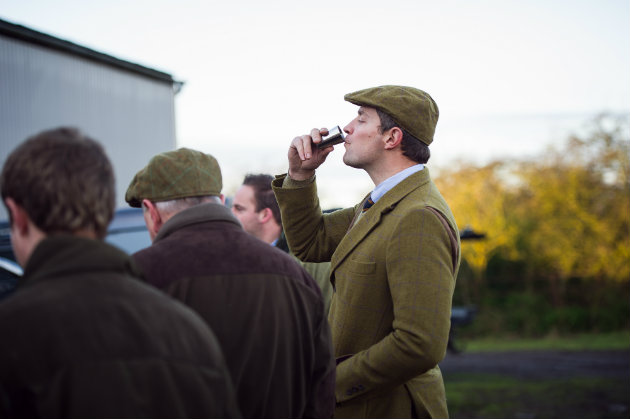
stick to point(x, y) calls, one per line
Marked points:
point(412, 108)
point(175, 174)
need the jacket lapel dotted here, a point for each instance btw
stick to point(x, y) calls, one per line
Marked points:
point(372, 218)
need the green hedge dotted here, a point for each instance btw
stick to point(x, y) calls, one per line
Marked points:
point(586, 306)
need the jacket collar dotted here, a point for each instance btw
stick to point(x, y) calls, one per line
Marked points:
point(194, 215)
point(64, 254)
point(372, 217)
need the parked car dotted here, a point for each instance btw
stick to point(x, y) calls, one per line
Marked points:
point(6, 250)
point(10, 273)
point(127, 231)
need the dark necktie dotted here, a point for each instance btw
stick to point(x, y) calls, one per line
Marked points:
point(367, 204)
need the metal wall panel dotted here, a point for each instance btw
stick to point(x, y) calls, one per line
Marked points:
point(131, 115)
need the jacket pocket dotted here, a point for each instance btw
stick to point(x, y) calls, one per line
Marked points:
point(362, 268)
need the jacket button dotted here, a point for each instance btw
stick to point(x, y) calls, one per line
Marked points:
point(354, 389)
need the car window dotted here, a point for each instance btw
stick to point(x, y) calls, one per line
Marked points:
point(127, 231)
point(129, 241)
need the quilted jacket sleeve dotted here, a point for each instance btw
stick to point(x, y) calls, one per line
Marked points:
point(311, 235)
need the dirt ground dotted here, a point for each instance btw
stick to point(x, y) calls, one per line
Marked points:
point(561, 375)
point(542, 364)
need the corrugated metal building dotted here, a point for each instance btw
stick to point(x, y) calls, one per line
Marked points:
point(47, 82)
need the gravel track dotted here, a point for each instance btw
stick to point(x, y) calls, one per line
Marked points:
point(541, 364)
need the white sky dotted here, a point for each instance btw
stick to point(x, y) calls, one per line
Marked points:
point(509, 77)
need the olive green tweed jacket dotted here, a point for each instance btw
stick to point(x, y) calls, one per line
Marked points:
point(394, 274)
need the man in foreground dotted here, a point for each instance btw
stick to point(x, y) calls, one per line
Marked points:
point(81, 336)
point(394, 257)
point(266, 311)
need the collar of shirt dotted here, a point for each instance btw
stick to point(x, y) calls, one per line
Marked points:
point(273, 243)
point(386, 185)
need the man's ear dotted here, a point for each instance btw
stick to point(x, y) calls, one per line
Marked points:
point(393, 138)
point(265, 215)
point(152, 218)
point(25, 235)
point(19, 218)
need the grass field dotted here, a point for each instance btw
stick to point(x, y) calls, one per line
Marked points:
point(488, 396)
point(492, 396)
point(580, 342)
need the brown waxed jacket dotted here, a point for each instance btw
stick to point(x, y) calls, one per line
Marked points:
point(81, 337)
point(265, 310)
point(394, 274)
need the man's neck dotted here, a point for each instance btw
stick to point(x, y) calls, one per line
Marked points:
point(388, 169)
point(270, 233)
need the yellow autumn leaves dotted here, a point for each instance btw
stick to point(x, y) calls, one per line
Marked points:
point(562, 214)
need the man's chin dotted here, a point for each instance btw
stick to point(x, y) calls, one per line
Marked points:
point(351, 163)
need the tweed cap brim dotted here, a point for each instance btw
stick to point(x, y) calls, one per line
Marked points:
point(176, 174)
point(414, 109)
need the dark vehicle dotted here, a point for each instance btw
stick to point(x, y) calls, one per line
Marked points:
point(10, 273)
point(127, 231)
point(6, 250)
point(462, 315)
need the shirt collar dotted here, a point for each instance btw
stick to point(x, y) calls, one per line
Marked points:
point(386, 185)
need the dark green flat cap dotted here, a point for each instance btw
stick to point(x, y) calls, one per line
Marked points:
point(412, 108)
point(175, 174)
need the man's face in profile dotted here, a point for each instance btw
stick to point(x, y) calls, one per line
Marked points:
point(244, 208)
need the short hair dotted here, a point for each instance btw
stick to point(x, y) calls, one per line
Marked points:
point(412, 147)
point(263, 194)
point(63, 180)
point(174, 206)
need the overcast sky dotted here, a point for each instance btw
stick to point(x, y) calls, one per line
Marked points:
point(509, 77)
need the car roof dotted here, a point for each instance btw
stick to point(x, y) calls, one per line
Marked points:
point(125, 220)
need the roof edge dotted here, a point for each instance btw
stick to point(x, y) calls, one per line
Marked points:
point(31, 36)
